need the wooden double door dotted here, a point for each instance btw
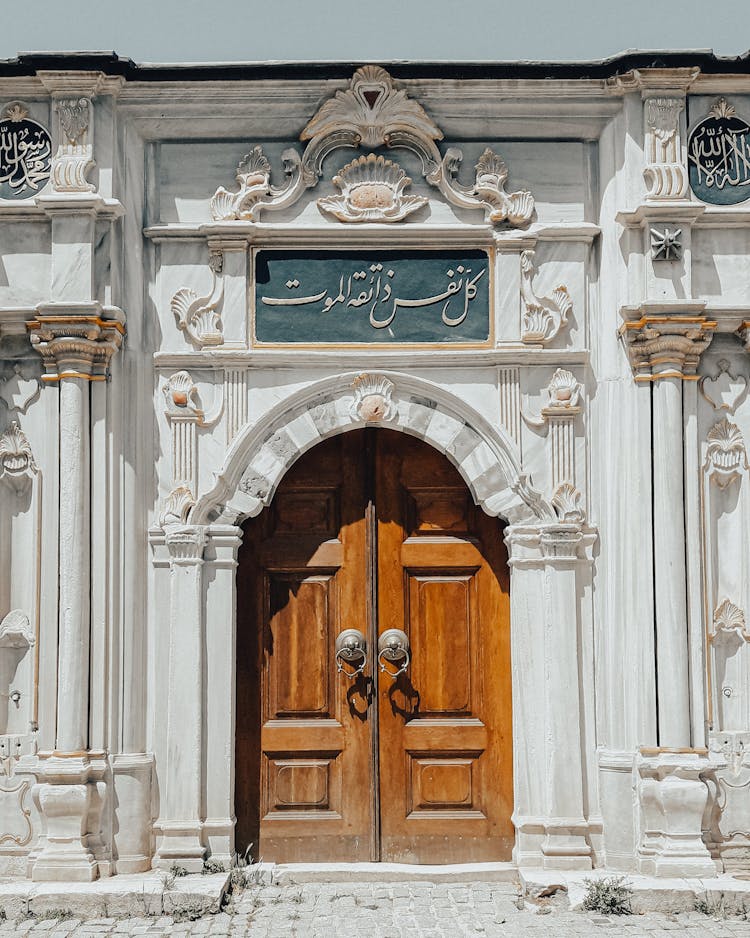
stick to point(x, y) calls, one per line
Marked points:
point(374, 530)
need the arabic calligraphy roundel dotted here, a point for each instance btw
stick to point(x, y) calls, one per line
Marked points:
point(25, 154)
point(719, 157)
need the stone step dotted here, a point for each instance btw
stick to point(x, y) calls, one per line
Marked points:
point(292, 873)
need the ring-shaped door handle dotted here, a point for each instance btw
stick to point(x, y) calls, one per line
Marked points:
point(393, 646)
point(351, 649)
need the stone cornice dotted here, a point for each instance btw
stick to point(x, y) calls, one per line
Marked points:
point(75, 342)
point(666, 346)
point(67, 82)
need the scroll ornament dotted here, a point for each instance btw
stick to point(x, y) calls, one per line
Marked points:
point(371, 112)
point(198, 316)
point(543, 318)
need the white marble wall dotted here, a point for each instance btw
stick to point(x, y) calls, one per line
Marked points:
point(596, 756)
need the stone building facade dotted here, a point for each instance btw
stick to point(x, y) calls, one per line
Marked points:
point(539, 274)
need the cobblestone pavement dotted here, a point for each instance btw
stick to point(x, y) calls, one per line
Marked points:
point(372, 910)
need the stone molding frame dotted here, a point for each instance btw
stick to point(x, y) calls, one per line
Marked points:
point(551, 561)
point(259, 456)
point(372, 112)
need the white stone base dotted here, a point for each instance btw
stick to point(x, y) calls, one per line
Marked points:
point(124, 895)
point(650, 894)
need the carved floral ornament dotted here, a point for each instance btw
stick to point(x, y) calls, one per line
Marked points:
point(371, 112)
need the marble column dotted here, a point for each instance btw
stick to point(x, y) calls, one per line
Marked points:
point(666, 350)
point(76, 345)
point(180, 826)
point(551, 811)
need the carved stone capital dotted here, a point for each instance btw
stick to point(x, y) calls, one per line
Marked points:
point(75, 345)
point(550, 544)
point(186, 545)
point(666, 346)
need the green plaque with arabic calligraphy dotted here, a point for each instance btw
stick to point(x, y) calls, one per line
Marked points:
point(372, 297)
point(25, 154)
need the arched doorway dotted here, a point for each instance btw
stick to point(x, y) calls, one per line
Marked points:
point(374, 530)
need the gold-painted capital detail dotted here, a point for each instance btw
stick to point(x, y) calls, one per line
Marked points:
point(666, 346)
point(75, 346)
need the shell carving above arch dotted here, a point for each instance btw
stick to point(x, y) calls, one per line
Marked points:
point(484, 455)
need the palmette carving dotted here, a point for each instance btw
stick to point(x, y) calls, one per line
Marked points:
point(725, 455)
point(198, 316)
point(370, 108)
point(372, 398)
point(728, 617)
point(543, 318)
point(372, 189)
point(17, 464)
point(371, 112)
point(177, 506)
point(567, 504)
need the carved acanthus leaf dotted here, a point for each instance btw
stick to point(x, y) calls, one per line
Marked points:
point(543, 318)
point(255, 189)
point(372, 189)
point(487, 192)
point(371, 108)
point(198, 316)
point(725, 455)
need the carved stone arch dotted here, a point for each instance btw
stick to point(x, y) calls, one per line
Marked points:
point(485, 456)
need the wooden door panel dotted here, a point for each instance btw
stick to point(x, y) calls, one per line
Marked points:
point(315, 753)
point(445, 756)
point(441, 614)
point(301, 615)
point(307, 758)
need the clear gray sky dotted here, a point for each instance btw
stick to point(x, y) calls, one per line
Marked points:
point(251, 30)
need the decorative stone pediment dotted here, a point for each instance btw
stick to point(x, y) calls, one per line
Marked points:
point(371, 112)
